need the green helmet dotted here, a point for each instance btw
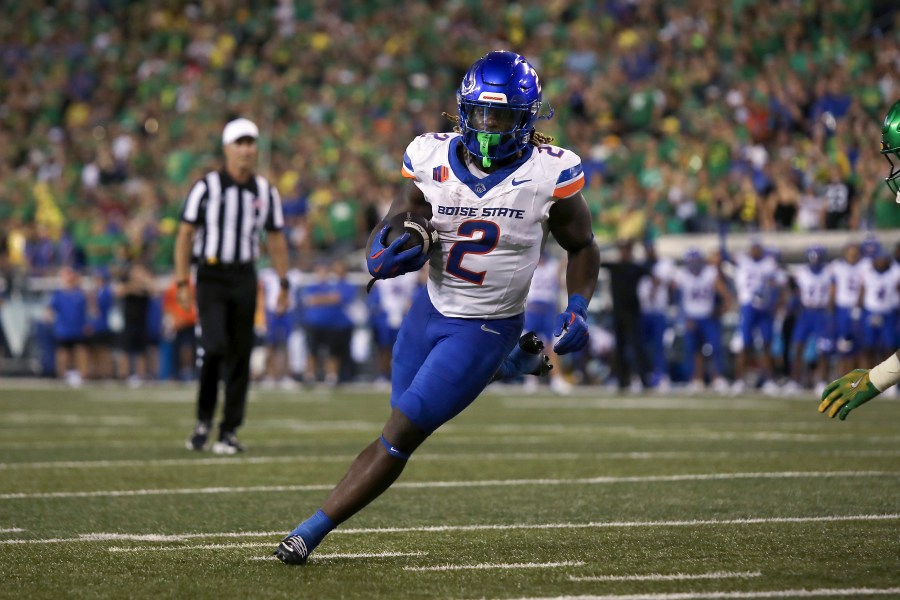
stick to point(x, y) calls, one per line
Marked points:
point(890, 146)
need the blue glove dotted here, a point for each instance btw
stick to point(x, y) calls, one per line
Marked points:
point(386, 262)
point(572, 323)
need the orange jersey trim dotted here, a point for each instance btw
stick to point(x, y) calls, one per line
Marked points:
point(569, 189)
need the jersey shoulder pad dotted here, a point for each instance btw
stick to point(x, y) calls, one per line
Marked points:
point(565, 165)
point(423, 150)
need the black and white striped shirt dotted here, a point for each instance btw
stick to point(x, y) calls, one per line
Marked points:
point(229, 216)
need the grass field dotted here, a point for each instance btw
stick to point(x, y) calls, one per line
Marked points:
point(589, 496)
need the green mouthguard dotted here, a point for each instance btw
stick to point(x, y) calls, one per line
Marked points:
point(485, 140)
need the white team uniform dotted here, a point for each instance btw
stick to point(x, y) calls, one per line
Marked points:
point(395, 295)
point(814, 288)
point(698, 292)
point(880, 289)
point(492, 228)
point(752, 280)
point(848, 281)
point(545, 284)
point(268, 278)
point(656, 300)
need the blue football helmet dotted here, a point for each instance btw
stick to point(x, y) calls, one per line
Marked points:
point(694, 260)
point(499, 101)
point(815, 256)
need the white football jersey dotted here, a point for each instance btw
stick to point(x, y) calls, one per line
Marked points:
point(545, 284)
point(698, 292)
point(268, 278)
point(395, 296)
point(848, 280)
point(880, 289)
point(814, 289)
point(491, 228)
point(754, 279)
point(656, 300)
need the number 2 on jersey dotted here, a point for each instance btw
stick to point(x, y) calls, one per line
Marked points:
point(490, 234)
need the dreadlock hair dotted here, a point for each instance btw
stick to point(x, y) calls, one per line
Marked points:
point(537, 138)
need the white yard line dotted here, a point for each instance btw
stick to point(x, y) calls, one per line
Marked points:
point(506, 566)
point(425, 456)
point(181, 537)
point(645, 403)
point(457, 484)
point(670, 576)
point(318, 557)
point(12, 530)
point(799, 593)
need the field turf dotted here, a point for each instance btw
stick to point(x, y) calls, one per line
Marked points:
point(522, 496)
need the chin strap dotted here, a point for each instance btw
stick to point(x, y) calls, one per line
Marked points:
point(485, 140)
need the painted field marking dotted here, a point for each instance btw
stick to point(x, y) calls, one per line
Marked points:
point(12, 530)
point(456, 484)
point(180, 537)
point(486, 566)
point(646, 403)
point(432, 457)
point(318, 557)
point(801, 593)
point(669, 576)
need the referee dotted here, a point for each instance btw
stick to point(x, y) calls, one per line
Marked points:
point(219, 232)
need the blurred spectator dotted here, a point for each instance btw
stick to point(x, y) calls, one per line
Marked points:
point(102, 340)
point(327, 323)
point(68, 311)
point(278, 326)
point(134, 293)
point(624, 277)
point(178, 326)
point(388, 303)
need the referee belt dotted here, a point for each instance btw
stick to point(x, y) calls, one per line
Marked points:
point(211, 263)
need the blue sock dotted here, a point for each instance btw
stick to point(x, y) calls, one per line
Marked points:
point(314, 529)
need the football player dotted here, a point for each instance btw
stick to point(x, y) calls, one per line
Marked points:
point(493, 190)
point(847, 277)
point(861, 385)
point(758, 281)
point(814, 283)
point(699, 283)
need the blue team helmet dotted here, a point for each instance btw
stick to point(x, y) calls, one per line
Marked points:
point(815, 256)
point(870, 247)
point(499, 101)
point(694, 260)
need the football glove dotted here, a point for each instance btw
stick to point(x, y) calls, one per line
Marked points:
point(386, 262)
point(846, 393)
point(571, 325)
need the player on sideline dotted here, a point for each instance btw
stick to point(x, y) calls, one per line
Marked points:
point(861, 385)
point(492, 190)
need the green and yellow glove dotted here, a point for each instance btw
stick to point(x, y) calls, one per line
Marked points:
point(846, 393)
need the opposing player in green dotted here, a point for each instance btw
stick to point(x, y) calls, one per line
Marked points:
point(861, 385)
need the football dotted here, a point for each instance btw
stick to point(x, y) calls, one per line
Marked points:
point(421, 232)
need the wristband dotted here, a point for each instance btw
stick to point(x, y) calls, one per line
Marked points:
point(182, 283)
point(284, 283)
point(886, 374)
point(579, 305)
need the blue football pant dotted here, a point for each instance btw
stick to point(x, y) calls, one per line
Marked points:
point(441, 364)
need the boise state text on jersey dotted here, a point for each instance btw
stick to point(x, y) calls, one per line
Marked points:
point(492, 227)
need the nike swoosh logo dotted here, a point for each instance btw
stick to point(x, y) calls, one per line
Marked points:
point(514, 182)
point(488, 329)
point(854, 384)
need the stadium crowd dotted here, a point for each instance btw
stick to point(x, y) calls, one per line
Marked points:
point(693, 116)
